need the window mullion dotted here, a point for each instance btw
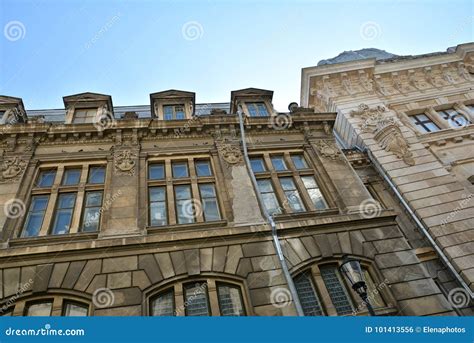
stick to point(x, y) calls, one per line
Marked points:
point(436, 118)
point(325, 297)
point(213, 299)
point(78, 206)
point(195, 191)
point(56, 309)
point(49, 214)
point(170, 193)
point(179, 299)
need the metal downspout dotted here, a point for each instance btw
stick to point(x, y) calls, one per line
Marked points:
point(420, 225)
point(276, 240)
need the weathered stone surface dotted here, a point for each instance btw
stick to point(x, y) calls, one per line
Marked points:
point(311, 246)
point(119, 264)
point(149, 265)
point(206, 259)
point(244, 267)
point(57, 277)
point(218, 260)
point(140, 279)
point(119, 280)
point(192, 261)
point(73, 273)
point(258, 249)
point(234, 254)
point(400, 258)
point(165, 264)
point(299, 248)
point(179, 263)
point(97, 282)
point(90, 270)
point(323, 245)
point(432, 304)
point(11, 281)
point(42, 277)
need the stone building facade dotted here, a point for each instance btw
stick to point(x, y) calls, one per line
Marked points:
point(409, 118)
point(156, 210)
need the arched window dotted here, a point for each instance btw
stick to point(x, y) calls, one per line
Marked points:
point(47, 306)
point(323, 291)
point(199, 298)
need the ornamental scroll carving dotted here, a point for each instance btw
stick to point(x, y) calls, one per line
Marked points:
point(386, 131)
point(12, 169)
point(230, 153)
point(329, 149)
point(124, 162)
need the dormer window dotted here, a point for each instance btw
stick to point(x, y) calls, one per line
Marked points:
point(12, 110)
point(86, 115)
point(257, 109)
point(174, 112)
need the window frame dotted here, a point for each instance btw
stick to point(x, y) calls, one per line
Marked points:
point(174, 114)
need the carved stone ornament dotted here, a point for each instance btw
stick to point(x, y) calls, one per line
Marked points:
point(230, 153)
point(386, 131)
point(391, 139)
point(124, 162)
point(12, 169)
point(329, 149)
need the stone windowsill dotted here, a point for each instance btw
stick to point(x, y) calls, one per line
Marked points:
point(180, 227)
point(53, 239)
point(307, 214)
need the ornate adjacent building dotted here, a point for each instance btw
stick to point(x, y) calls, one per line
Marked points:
point(178, 208)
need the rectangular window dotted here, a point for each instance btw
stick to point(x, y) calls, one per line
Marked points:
point(46, 178)
point(180, 170)
point(71, 177)
point(269, 198)
point(174, 112)
point(257, 109)
point(63, 213)
point(86, 115)
point(257, 164)
point(158, 210)
point(75, 310)
point(423, 123)
point(195, 296)
point(291, 193)
point(307, 294)
point(230, 300)
point(203, 168)
point(91, 212)
point(163, 304)
point(42, 309)
point(156, 171)
point(96, 175)
point(454, 118)
point(185, 211)
point(278, 163)
point(314, 192)
point(35, 216)
point(336, 290)
point(299, 161)
point(210, 207)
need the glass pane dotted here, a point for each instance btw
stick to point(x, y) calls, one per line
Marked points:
point(196, 300)
point(257, 165)
point(71, 177)
point(422, 117)
point(40, 309)
point(39, 203)
point(210, 209)
point(163, 304)
point(75, 310)
point(93, 199)
point(33, 224)
point(96, 175)
point(307, 295)
point(265, 186)
point(203, 168)
point(207, 191)
point(168, 110)
point(317, 198)
point(309, 182)
point(66, 200)
point(271, 203)
point(230, 301)
point(157, 194)
point(252, 109)
point(179, 111)
point(262, 109)
point(156, 171)
point(336, 290)
point(294, 200)
point(431, 127)
point(46, 178)
point(299, 161)
point(185, 211)
point(278, 163)
point(91, 219)
point(287, 183)
point(158, 215)
point(183, 192)
point(180, 169)
point(62, 222)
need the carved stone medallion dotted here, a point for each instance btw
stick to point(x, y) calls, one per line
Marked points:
point(329, 149)
point(124, 162)
point(12, 169)
point(230, 153)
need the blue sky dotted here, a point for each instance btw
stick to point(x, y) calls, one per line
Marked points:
point(129, 49)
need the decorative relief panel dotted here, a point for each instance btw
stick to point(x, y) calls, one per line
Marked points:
point(230, 153)
point(386, 131)
point(12, 169)
point(329, 149)
point(124, 162)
